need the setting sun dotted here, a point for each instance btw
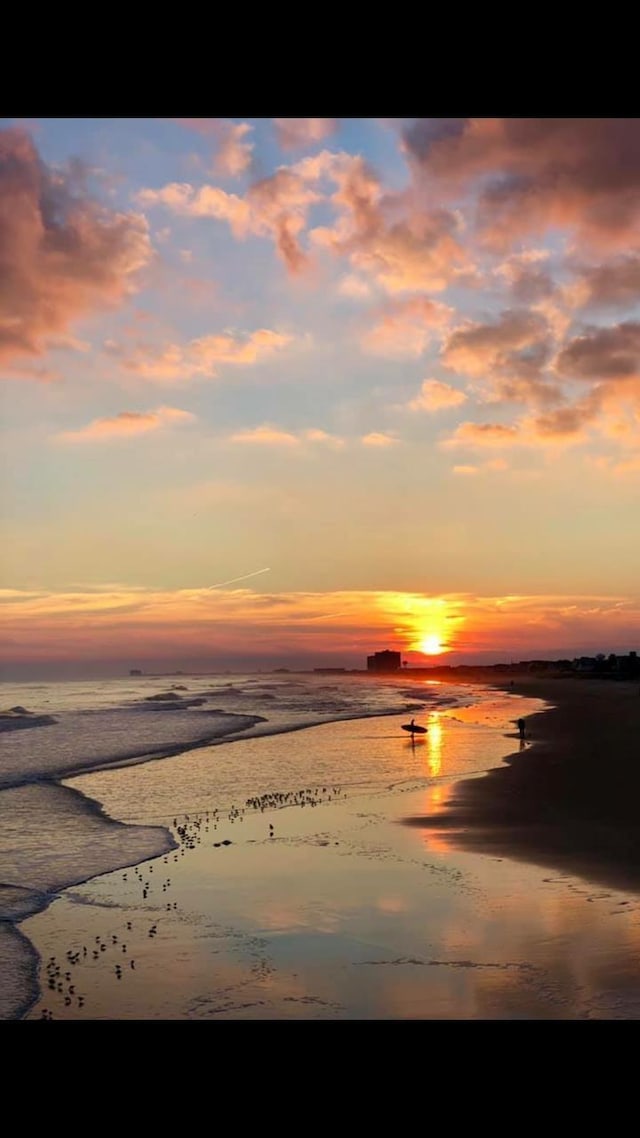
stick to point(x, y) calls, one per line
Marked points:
point(430, 646)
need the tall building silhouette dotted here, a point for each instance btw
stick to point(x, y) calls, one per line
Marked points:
point(384, 662)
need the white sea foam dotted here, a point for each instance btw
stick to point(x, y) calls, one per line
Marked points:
point(53, 836)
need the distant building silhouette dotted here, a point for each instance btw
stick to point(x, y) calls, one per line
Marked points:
point(384, 662)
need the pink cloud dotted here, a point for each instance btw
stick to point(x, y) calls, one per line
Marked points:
point(209, 201)
point(279, 204)
point(236, 153)
point(64, 255)
point(128, 423)
point(293, 134)
point(274, 207)
point(390, 237)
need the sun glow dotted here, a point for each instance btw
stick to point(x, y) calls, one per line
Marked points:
point(426, 623)
point(430, 646)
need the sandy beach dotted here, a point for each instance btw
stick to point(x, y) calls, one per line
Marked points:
point(331, 906)
point(569, 799)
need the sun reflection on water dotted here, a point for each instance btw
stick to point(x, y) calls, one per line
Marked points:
point(435, 744)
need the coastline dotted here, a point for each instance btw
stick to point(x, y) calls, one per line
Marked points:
point(569, 799)
point(342, 910)
point(324, 905)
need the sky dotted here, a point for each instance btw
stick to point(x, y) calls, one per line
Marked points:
point(285, 392)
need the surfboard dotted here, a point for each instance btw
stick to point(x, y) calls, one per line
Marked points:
point(414, 729)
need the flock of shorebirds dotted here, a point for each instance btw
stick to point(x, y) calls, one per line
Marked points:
point(60, 977)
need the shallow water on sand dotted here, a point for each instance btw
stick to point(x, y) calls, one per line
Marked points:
point(329, 907)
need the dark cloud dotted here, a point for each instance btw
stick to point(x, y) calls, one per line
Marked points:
point(615, 284)
point(533, 174)
point(516, 337)
point(602, 353)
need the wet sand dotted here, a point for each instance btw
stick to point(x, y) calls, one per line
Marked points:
point(332, 907)
point(571, 797)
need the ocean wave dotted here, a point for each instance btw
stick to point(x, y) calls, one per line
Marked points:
point(16, 718)
point(161, 723)
point(86, 740)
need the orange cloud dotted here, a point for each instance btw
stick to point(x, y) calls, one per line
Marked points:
point(203, 356)
point(354, 287)
point(507, 356)
point(266, 435)
point(495, 464)
point(483, 434)
point(379, 439)
point(64, 255)
point(293, 134)
point(477, 349)
point(209, 201)
point(611, 407)
point(127, 423)
point(626, 466)
point(269, 435)
point(436, 396)
point(316, 436)
point(391, 237)
point(405, 327)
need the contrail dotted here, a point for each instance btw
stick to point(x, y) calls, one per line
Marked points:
point(233, 580)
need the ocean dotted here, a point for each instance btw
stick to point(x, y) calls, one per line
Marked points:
point(209, 745)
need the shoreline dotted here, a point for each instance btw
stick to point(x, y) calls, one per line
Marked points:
point(323, 903)
point(330, 909)
point(569, 798)
point(132, 843)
